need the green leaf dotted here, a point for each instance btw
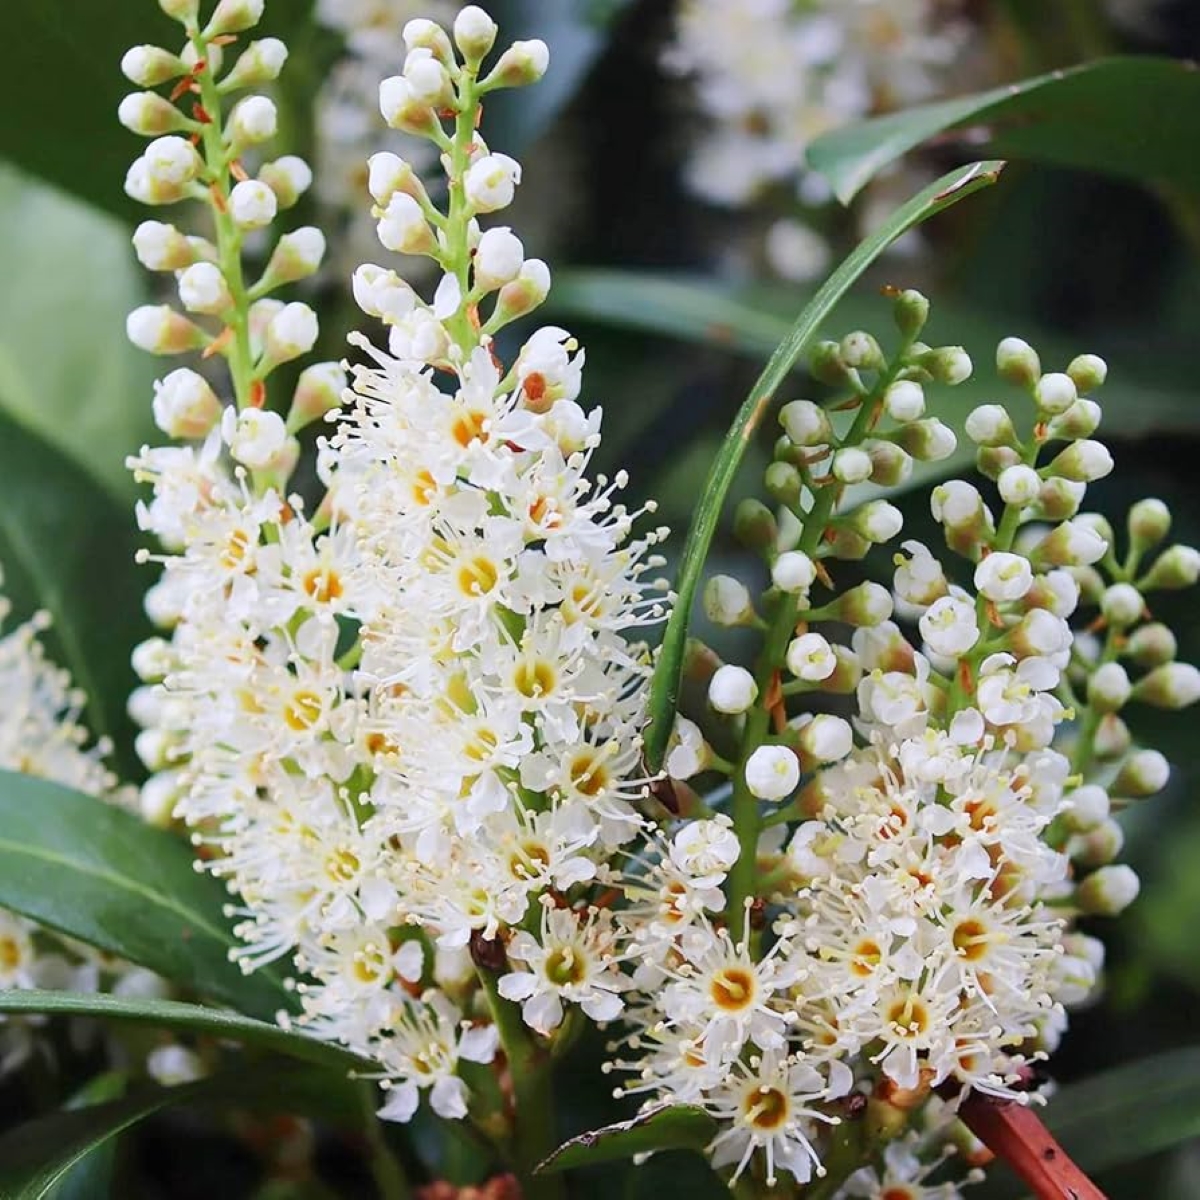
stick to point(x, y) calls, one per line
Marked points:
point(91, 1177)
point(99, 874)
point(67, 371)
point(671, 1127)
point(187, 1018)
point(1120, 1116)
point(67, 546)
point(665, 687)
point(1131, 117)
point(36, 1155)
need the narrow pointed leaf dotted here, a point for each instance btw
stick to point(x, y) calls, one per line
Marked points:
point(1133, 117)
point(98, 874)
point(91, 1178)
point(672, 1127)
point(185, 1018)
point(665, 688)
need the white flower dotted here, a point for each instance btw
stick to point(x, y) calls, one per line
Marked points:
point(772, 773)
point(490, 182)
point(1002, 576)
point(705, 850)
point(256, 438)
point(810, 657)
point(949, 627)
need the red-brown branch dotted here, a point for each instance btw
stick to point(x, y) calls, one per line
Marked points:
point(1015, 1133)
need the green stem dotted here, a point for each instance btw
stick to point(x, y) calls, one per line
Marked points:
point(386, 1171)
point(458, 216)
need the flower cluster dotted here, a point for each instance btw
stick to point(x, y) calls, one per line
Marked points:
point(769, 76)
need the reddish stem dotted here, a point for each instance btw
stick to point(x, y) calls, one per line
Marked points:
point(1015, 1133)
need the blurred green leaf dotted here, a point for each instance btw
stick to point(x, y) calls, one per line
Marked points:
point(665, 687)
point(188, 1018)
point(1134, 117)
point(67, 371)
point(672, 1127)
point(673, 1174)
point(67, 546)
point(103, 876)
point(1120, 1116)
point(91, 1177)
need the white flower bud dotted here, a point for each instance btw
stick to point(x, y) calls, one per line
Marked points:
point(956, 504)
point(1017, 362)
point(772, 773)
point(1081, 420)
point(1113, 738)
point(523, 294)
point(290, 333)
point(161, 247)
point(949, 627)
point(860, 351)
point(1086, 807)
point(1109, 688)
point(878, 521)
point(297, 255)
point(1088, 371)
point(233, 16)
point(826, 739)
point(152, 659)
point(1149, 522)
point(498, 258)
point(948, 364)
point(159, 329)
point(1019, 484)
point(805, 423)
point(1177, 567)
point(202, 289)
point(1099, 846)
point(904, 401)
point(793, 572)
point(864, 606)
point(148, 114)
point(929, 440)
point(253, 120)
point(1122, 605)
point(1108, 891)
point(522, 63)
point(1083, 461)
point(403, 227)
point(174, 1065)
point(1040, 634)
point(474, 32)
point(732, 690)
point(1172, 685)
point(252, 204)
point(387, 174)
point(421, 32)
point(688, 754)
point(727, 601)
point(1055, 393)
point(318, 391)
point(149, 66)
point(428, 78)
point(402, 110)
point(1143, 773)
point(171, 161)
point(851, 465)
point(706, 849)
point(919, 578)
point(261, 62)
point(810, 657)
point(211, 55)
point(184, 405)
point(1002, 576)
point(183, 11)
point(891, 465)
point(256, 437)
point(491, 181)
point(288, 177)
point(1071, 544)
point(1152, 645)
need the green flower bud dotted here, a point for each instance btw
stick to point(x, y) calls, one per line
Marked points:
point(1149, 522)
point(149, 114)
point(990, 425)
point(727, 602)
point(1152, 646)
point(233, 16)
point(993, 461)
point(183, 11)
point(1177, 567)
point(890, 464)
point(1109, 688)
point(1081, 420)
point(1017, 362)
point(848, 545)
point(1059, 499)
point(1088, 372)
point(151, 66)
point(1108, 891)
point(1090, 583)
point(826, 365)
point(754, 526)
point(1087, 807)
point(288, 177)
point(1122, 605)
point(1143, 773)
point(861, 352)
point(910, 312)
point(1083, 461)
point(947, 364)
point(261, 62)
point(783, 483)
point(864, 606)
point(1173, 685)
point(1099, 846)
point(927, 441)
point(318, 391)
point(846, 675)
point(1113, 738)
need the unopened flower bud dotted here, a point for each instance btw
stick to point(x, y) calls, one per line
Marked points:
point(318, 391)
point(861, 352)
point(947, 364)
point(184, 11)
point(1149, 521)
point(290, 333)
point(783, 483)
point(404, 111)
point(1152, 645)
point(993, 461)
point(805, 423)
point(523, 294)
point(521, 64)
point(202, 289)
point(927, 441)
point(1177, 567)
point(1059, 499)
point(1109, 688)
point(793, 572)
point(159, 329)
point(1055, 393)
point(1143, 773)
point(161, 247)
point(1073, 543)
point(847, 545)
point(1086, 807)
point(498, 258)
point(732, 690)
point(474, 33)
point(261, 62)
point(1056, 591)
point(1081, 420)
point(687, 752)
point(1002, 576)
point(1097, 847)
point(288, 177)
point(910, 311)
point(1108, 891)
point(150, 66)
point(1019, 485)
point(851, 465)
point(428, 79)
point(403, 227)
point(825, 739)
point(252, 204)
point(256, 437)
point(1083, 461)
point(772, 773)
point(1017, 362)
point(957, 504)
point(847, 672)
point(233, 16)
point(252, 121)
point(422, 33)
point(811, 658)
point(1122, 605)
point(184, 405)
point(297, 255)
point(1113, 738)
point(890, 465)
point(990, 425)
point(727, 602)
point(754, 525)
point(1173, 685)
point(877, 521)
point(491, 182)
point(826, 365)
point(148, 114)
point(1088, 372)
point(171, 161)
point(904, 401)
point(866, 605)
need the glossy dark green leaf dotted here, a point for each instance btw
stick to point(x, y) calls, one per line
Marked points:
point(1133, 117)
point(186, 1018)
point(91, 1178)
point(1120, 1116)
point(665, 687)
point(101, 875)
point(672, 1127)
point(67, 546)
